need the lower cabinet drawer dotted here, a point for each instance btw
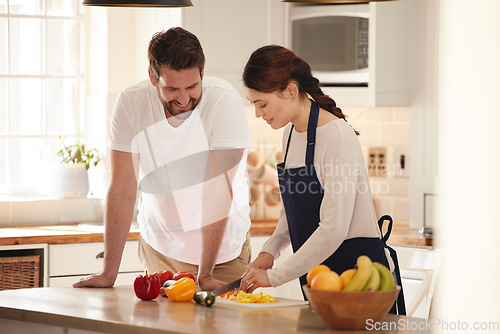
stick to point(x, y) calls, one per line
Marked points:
point(87, 258)
point(67, 281)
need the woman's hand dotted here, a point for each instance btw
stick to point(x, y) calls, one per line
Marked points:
point(256, 274)
point(253, 279)
point(263, 261)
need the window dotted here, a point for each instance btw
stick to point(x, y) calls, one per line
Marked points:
point(41, 86)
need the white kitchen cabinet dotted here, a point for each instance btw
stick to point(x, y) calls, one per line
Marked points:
point(66, 281)
point(69, 262)
point(389, 48)
point(291, 289)
point(419, 268)
point(230, 30)
point(424, 112)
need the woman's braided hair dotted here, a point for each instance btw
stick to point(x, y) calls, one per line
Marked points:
point(272, 67)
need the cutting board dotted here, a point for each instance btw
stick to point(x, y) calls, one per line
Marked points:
point(283, 302)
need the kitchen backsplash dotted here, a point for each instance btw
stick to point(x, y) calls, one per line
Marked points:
point(33, 211)
point(387, 127)
point(379, 127)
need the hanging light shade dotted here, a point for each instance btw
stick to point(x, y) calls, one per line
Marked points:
point(333, 1)
point(130, 3)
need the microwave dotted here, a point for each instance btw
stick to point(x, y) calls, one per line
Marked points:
point(333, 39)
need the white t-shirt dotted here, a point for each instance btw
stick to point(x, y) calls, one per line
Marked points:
point(172, 163)
point(346, 209)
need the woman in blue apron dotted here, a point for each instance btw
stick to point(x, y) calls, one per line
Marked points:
point(328, 215)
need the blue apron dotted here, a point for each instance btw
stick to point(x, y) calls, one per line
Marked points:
point(302, 195)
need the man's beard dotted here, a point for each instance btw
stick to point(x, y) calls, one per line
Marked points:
point(180, 114)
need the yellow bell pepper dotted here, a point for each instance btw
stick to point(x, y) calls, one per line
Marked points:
point(182, 291)
point(244, 297)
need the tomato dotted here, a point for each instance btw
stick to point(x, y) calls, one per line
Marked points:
point(164, 276)
point(182, 274)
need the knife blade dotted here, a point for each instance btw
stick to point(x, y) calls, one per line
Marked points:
point(228, 287)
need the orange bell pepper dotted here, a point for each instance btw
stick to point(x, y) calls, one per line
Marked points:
point(182, 291)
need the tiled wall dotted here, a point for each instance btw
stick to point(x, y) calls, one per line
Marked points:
point(28, 212)
point(388, 127)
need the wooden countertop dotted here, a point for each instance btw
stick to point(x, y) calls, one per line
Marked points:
point(73, 233)
point(56, 234)
point(118, 310)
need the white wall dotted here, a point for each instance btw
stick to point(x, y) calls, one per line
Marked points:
point(469, 142)
point(117, 40)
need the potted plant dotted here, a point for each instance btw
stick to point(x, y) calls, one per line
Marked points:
point(71, 177)
point(79, 153)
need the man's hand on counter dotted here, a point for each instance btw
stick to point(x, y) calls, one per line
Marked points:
point(208, 283)
point(95, 281)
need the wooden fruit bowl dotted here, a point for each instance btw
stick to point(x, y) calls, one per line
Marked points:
point(350, 310)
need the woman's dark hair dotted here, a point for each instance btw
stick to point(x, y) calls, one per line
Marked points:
point(175, 48)
point(272, 67)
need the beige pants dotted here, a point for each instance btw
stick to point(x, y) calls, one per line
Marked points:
point(153, 261)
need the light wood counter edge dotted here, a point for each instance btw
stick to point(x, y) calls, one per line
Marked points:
point(78, 323)
point(401, 233)
point(70, 233)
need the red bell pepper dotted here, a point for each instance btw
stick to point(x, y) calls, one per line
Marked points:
point(182, 274)
point(164, 276)
point(147, 287)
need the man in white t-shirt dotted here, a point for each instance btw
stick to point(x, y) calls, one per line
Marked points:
point(181, 139)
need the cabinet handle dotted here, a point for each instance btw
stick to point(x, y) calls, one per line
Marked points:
point(100, 255)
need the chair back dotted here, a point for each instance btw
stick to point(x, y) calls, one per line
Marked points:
point(419, 269)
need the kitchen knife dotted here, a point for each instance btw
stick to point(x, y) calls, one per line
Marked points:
point(228, 287)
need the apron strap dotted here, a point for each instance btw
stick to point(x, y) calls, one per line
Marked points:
point(311, 133)
point(389, 228)
point(399, 307)
point(288, 144)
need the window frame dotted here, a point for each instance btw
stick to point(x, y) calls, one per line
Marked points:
point(33, 172)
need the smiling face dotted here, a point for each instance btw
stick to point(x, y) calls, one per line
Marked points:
point(179, 91)
point(278, 108)
point(269, 106)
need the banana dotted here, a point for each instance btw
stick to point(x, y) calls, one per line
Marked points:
point(364, 271)
point(374, 281)
point(388, 282)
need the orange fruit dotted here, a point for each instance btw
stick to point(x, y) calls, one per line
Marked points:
point(327, 280)
point(347, 275)
point(314, 271)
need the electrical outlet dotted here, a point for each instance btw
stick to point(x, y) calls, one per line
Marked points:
point(401, 162)
point(377, 165)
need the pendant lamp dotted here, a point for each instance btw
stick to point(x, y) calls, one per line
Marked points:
point(333, 1)
point(130, 3)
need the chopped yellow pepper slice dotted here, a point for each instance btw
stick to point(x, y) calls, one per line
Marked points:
point(244, 297)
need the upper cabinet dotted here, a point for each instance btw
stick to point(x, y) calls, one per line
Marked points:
point(390, 44)
point(359, 52)
point(231, 30)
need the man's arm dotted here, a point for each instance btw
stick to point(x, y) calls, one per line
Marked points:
point(120, 202)
point(217, 199)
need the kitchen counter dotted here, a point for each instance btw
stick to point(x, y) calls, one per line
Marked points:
point(118, 310)
point(401, 234)
point(57, 234)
